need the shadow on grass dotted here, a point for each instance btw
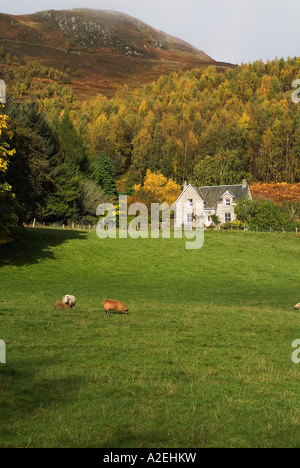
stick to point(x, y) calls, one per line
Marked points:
point(28, 246)
point(24, 400)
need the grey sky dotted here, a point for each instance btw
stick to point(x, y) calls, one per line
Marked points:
point(228, 30)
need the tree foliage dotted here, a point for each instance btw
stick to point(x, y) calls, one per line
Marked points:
point(264, 215)
point(71, 146)
point(104, 176)
point(279, 193)
point(7, 200)
point(29, 173)
point(203, 126)
point(156, 189)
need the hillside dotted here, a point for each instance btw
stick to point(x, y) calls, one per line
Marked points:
point(99, 50)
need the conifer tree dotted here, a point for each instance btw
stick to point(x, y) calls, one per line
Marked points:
point(103, 175)
point(72, 148)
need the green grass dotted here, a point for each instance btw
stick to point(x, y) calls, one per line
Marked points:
point(203, 359)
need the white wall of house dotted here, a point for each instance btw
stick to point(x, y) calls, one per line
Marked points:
point(186, 206)
point(187, 203)
point(225, 208)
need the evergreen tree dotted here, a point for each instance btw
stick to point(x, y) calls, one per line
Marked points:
point(103, 175)
point(64, 204)
point(72, 148)
point(29, 173)
point(28, 115)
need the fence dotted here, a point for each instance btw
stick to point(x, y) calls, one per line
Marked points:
point(73, 226)
point(93, 227)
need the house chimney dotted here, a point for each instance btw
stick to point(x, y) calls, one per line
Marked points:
point(245, 184)
point(185, 185)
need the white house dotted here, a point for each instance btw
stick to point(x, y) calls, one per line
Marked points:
point(207, 201)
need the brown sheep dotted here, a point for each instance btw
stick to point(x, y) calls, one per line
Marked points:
point(297, 306)
point(115, 306)
point(61, 305)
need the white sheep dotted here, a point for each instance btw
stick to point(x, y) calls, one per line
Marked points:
point(70, 300)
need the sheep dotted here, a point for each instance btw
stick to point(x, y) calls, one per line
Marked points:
point(70, 300)
point(115, 306)
point(61, 305)
point(297, 306)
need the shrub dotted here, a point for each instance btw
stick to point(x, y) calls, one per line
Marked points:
point(265, 214)
point(215, 219)
point(234, 225)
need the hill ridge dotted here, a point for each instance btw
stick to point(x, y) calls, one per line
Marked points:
point(100, 49)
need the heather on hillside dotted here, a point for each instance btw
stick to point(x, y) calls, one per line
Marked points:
point(95, 51)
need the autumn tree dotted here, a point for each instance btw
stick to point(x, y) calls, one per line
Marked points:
point(225, 168)
point(156, 189)
point(7, 201)
point(140, 154)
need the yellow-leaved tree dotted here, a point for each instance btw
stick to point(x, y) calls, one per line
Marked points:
point(156, 189)
point(5, 152)
point(7, 216)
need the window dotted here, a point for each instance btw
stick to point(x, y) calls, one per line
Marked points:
point(227, 217)
point(227, 202)
point(189, 218)
point(190, 203)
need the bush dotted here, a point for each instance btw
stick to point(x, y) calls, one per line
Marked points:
point(215, 219)
point(236, 225)
point(265, 215)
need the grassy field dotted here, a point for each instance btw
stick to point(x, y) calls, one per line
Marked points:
point(203, 359)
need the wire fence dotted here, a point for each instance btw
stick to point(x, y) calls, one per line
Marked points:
point(92, 227)
point(57, 225)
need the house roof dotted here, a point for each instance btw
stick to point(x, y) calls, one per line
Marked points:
point(213, 195)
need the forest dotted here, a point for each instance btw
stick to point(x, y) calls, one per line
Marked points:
point(60, 157)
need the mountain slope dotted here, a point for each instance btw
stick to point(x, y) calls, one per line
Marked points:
point(100, 50)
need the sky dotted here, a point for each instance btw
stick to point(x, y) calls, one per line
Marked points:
point(235, 31)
